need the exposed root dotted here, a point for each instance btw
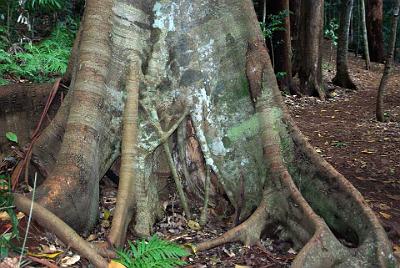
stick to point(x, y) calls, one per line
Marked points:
point(344, 80)
point(126, 188)
point(26, 160)
point(204, 212)
point(65, 233)
point(248, 232)
point(153, 116)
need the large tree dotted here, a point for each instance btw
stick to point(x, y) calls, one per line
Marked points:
point(282, 47)
point(194, 80)
point(374, 10)
point(309, 48)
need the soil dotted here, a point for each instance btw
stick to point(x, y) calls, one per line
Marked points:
point(342, 129)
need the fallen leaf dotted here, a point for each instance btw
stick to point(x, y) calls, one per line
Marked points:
point(396, 249)
point(5, 217)
point(114, 264)
point(241, 266)
point(385, 215)
point(292, 251)
point(365, 151)
point(68, 261)
point(194, 225)
point(191, 247)
point(106, 214)
point(105, 223)
point(45, 255)
point(91, 237)
point(229, 253)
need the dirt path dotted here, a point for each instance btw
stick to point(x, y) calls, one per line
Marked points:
point(344, 130)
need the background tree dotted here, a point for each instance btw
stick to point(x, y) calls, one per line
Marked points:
point(365, 35)
point(374, 10)
point(309, 48)
point(342, 77)
point(282, 46)
point(380, 116)
point(202, 86)
point(294, 6)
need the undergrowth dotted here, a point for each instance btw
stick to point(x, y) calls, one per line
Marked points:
point(40, 62)
point(8, 231)
point(152, 253)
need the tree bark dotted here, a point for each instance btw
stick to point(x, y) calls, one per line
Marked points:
point(380, 116)
point(342, 77)
point(283, 48)
point(374, 10)
point(310, 48)
point(365, 35)
point(294, 6)
point(202, 63)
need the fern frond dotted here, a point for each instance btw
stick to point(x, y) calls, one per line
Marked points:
point(152, 253)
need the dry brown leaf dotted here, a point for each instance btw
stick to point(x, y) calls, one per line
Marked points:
point(114, 264)
point(385, 215)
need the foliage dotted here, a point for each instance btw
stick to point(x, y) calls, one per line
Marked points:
point(275, 22)
point(152, 253)
point(280, 75)
point(39, 62)
point(50, 4)
point(11, 136)
point(330, 31)
point(6, 205)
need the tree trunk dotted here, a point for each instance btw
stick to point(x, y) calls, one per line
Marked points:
point(202, 63)
point(294, 6)
point(282, 48)
point(365, 35)
point(310, 48)
point(342, 78)
point(389, 63)
point(374, 10)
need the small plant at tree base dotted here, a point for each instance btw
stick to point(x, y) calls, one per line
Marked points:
point(152, 253)
point(7, 206)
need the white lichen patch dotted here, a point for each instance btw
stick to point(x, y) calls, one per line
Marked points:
point(164, 14)
point(217, 147)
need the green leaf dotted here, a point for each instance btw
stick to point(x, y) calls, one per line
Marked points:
point(11, 136)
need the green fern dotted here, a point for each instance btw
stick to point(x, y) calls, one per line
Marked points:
point(152, 253)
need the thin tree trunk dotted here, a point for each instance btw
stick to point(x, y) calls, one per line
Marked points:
point(380, 116)
point(342, 77)
point(365, 35)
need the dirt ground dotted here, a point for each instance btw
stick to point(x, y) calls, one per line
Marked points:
point(342, 129)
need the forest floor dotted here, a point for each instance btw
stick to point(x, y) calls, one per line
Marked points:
point(342, 129)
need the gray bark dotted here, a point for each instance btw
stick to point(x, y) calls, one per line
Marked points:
point(342, 77)
point(365, 35)
point(389, 63)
